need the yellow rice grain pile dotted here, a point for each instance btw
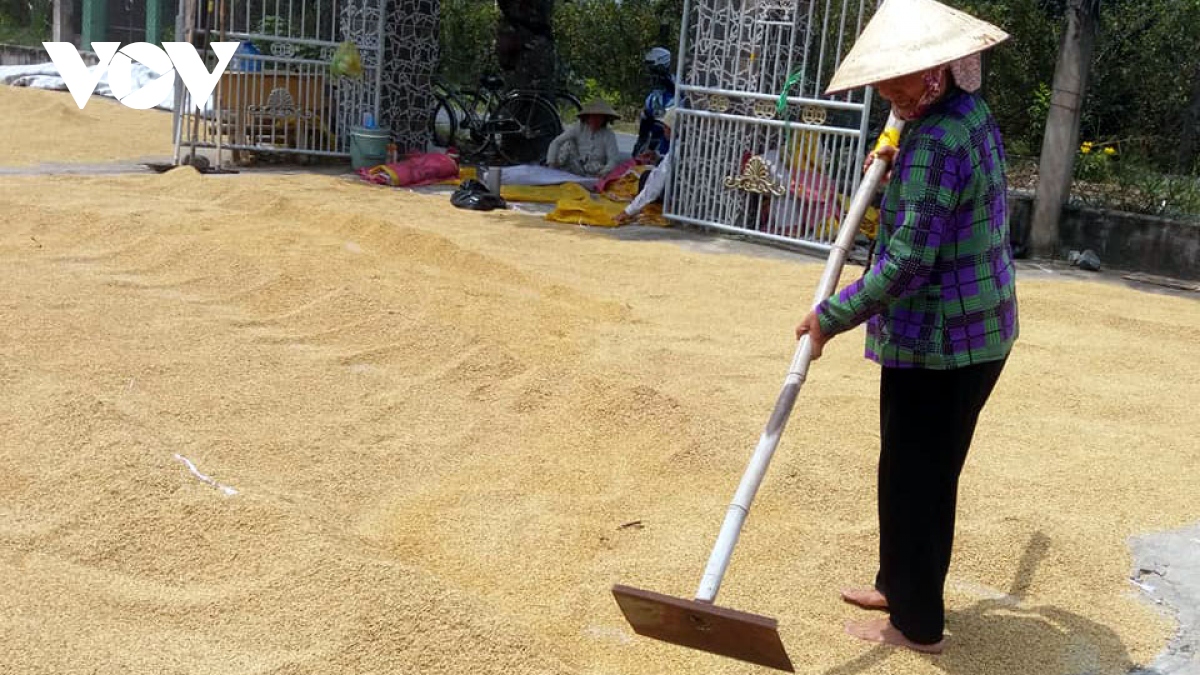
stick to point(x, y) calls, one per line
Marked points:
point(42, 126)
point(438, 422)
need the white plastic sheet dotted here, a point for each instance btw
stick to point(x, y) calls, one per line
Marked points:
point(45, 76)
point(533, 174)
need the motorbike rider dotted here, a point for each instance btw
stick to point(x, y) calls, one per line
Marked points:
point(651, 142)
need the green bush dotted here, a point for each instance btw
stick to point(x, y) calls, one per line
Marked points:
point(602, 43)
point(468, 40)
point(25, 22)
point(1136, 187)
point(1095, 163)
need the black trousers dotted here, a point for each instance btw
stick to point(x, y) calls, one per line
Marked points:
point(927, 420)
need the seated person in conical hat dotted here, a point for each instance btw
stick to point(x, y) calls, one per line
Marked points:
point(588, 147)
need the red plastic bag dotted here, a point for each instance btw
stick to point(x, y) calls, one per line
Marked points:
point(417, 170)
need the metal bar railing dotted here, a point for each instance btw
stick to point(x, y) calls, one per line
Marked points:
point(793, 100)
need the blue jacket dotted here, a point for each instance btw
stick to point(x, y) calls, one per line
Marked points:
point(650, 130)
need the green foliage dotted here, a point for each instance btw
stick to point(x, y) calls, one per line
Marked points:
point(603, 42)
point(1135, 187)
point(1019, 70)
point(1142, 86)
point(592, 89)
point(468, 40)
point(1039, 108)
point(1095, 163)
point(25, 22)
point(600, 44)
point(1142, 77)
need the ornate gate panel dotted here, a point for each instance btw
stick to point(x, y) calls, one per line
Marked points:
point(279, 94)
point(759, 150)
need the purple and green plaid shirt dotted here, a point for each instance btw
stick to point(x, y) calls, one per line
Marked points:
point(941, 293)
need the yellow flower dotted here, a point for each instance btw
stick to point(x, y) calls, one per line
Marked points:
point(1086, 148)
point(1110, 151)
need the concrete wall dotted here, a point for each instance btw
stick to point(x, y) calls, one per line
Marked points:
point(13, 55)
point(1124, 241)
point(16, 55)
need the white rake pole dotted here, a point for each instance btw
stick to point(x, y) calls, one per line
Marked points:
point(735, 516)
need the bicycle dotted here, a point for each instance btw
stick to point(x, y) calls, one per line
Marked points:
point(516, 126)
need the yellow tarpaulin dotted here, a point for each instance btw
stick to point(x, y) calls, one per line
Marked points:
point(543, 194)
point(587, 209)
point(576, 205)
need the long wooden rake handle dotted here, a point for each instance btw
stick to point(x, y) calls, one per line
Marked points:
point(739, 508)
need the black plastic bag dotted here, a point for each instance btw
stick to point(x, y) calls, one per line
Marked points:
point(475, 196)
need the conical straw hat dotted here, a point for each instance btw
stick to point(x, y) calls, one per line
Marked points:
point(909, 36)
point(599, 107)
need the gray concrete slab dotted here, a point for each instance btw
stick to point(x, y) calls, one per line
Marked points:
point(1167, 570)
point(51, 169)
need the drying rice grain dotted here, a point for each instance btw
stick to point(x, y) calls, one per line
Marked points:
point(437, 422)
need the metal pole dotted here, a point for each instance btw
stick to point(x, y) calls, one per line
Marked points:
point(177, 113)
point(735, 516)
point(217, 98)
point(380, 32)
point(679, 149)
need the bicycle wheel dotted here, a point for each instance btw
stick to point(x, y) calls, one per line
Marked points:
point(473, 137)
point(443, 123)
point(527, 124)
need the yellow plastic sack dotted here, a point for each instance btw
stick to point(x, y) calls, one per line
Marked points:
point(870, 223)
point(869, 226)
point(587, 210)
point(803, 153)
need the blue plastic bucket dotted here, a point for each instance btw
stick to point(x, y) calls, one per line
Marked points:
point(244, 64)
point(368, 147)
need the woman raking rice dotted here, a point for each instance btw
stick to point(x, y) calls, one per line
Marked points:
point(939, 301)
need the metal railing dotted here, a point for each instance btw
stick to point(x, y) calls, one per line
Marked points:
point(278, 94)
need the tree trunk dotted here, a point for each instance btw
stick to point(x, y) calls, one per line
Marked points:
point(1057, 164)
point(525, 44)
point(1188, 135)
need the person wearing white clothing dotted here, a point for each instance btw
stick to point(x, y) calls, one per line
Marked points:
point(654, 184)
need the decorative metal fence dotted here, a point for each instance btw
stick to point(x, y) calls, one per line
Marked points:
point(758, 149)
point(278, 94)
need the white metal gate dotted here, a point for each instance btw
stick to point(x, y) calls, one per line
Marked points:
point(758, 149)
point(279, 95)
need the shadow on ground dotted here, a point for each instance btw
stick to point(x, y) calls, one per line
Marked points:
point(1057, 642)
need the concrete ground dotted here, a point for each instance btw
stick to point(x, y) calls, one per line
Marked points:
point(1167, 569)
